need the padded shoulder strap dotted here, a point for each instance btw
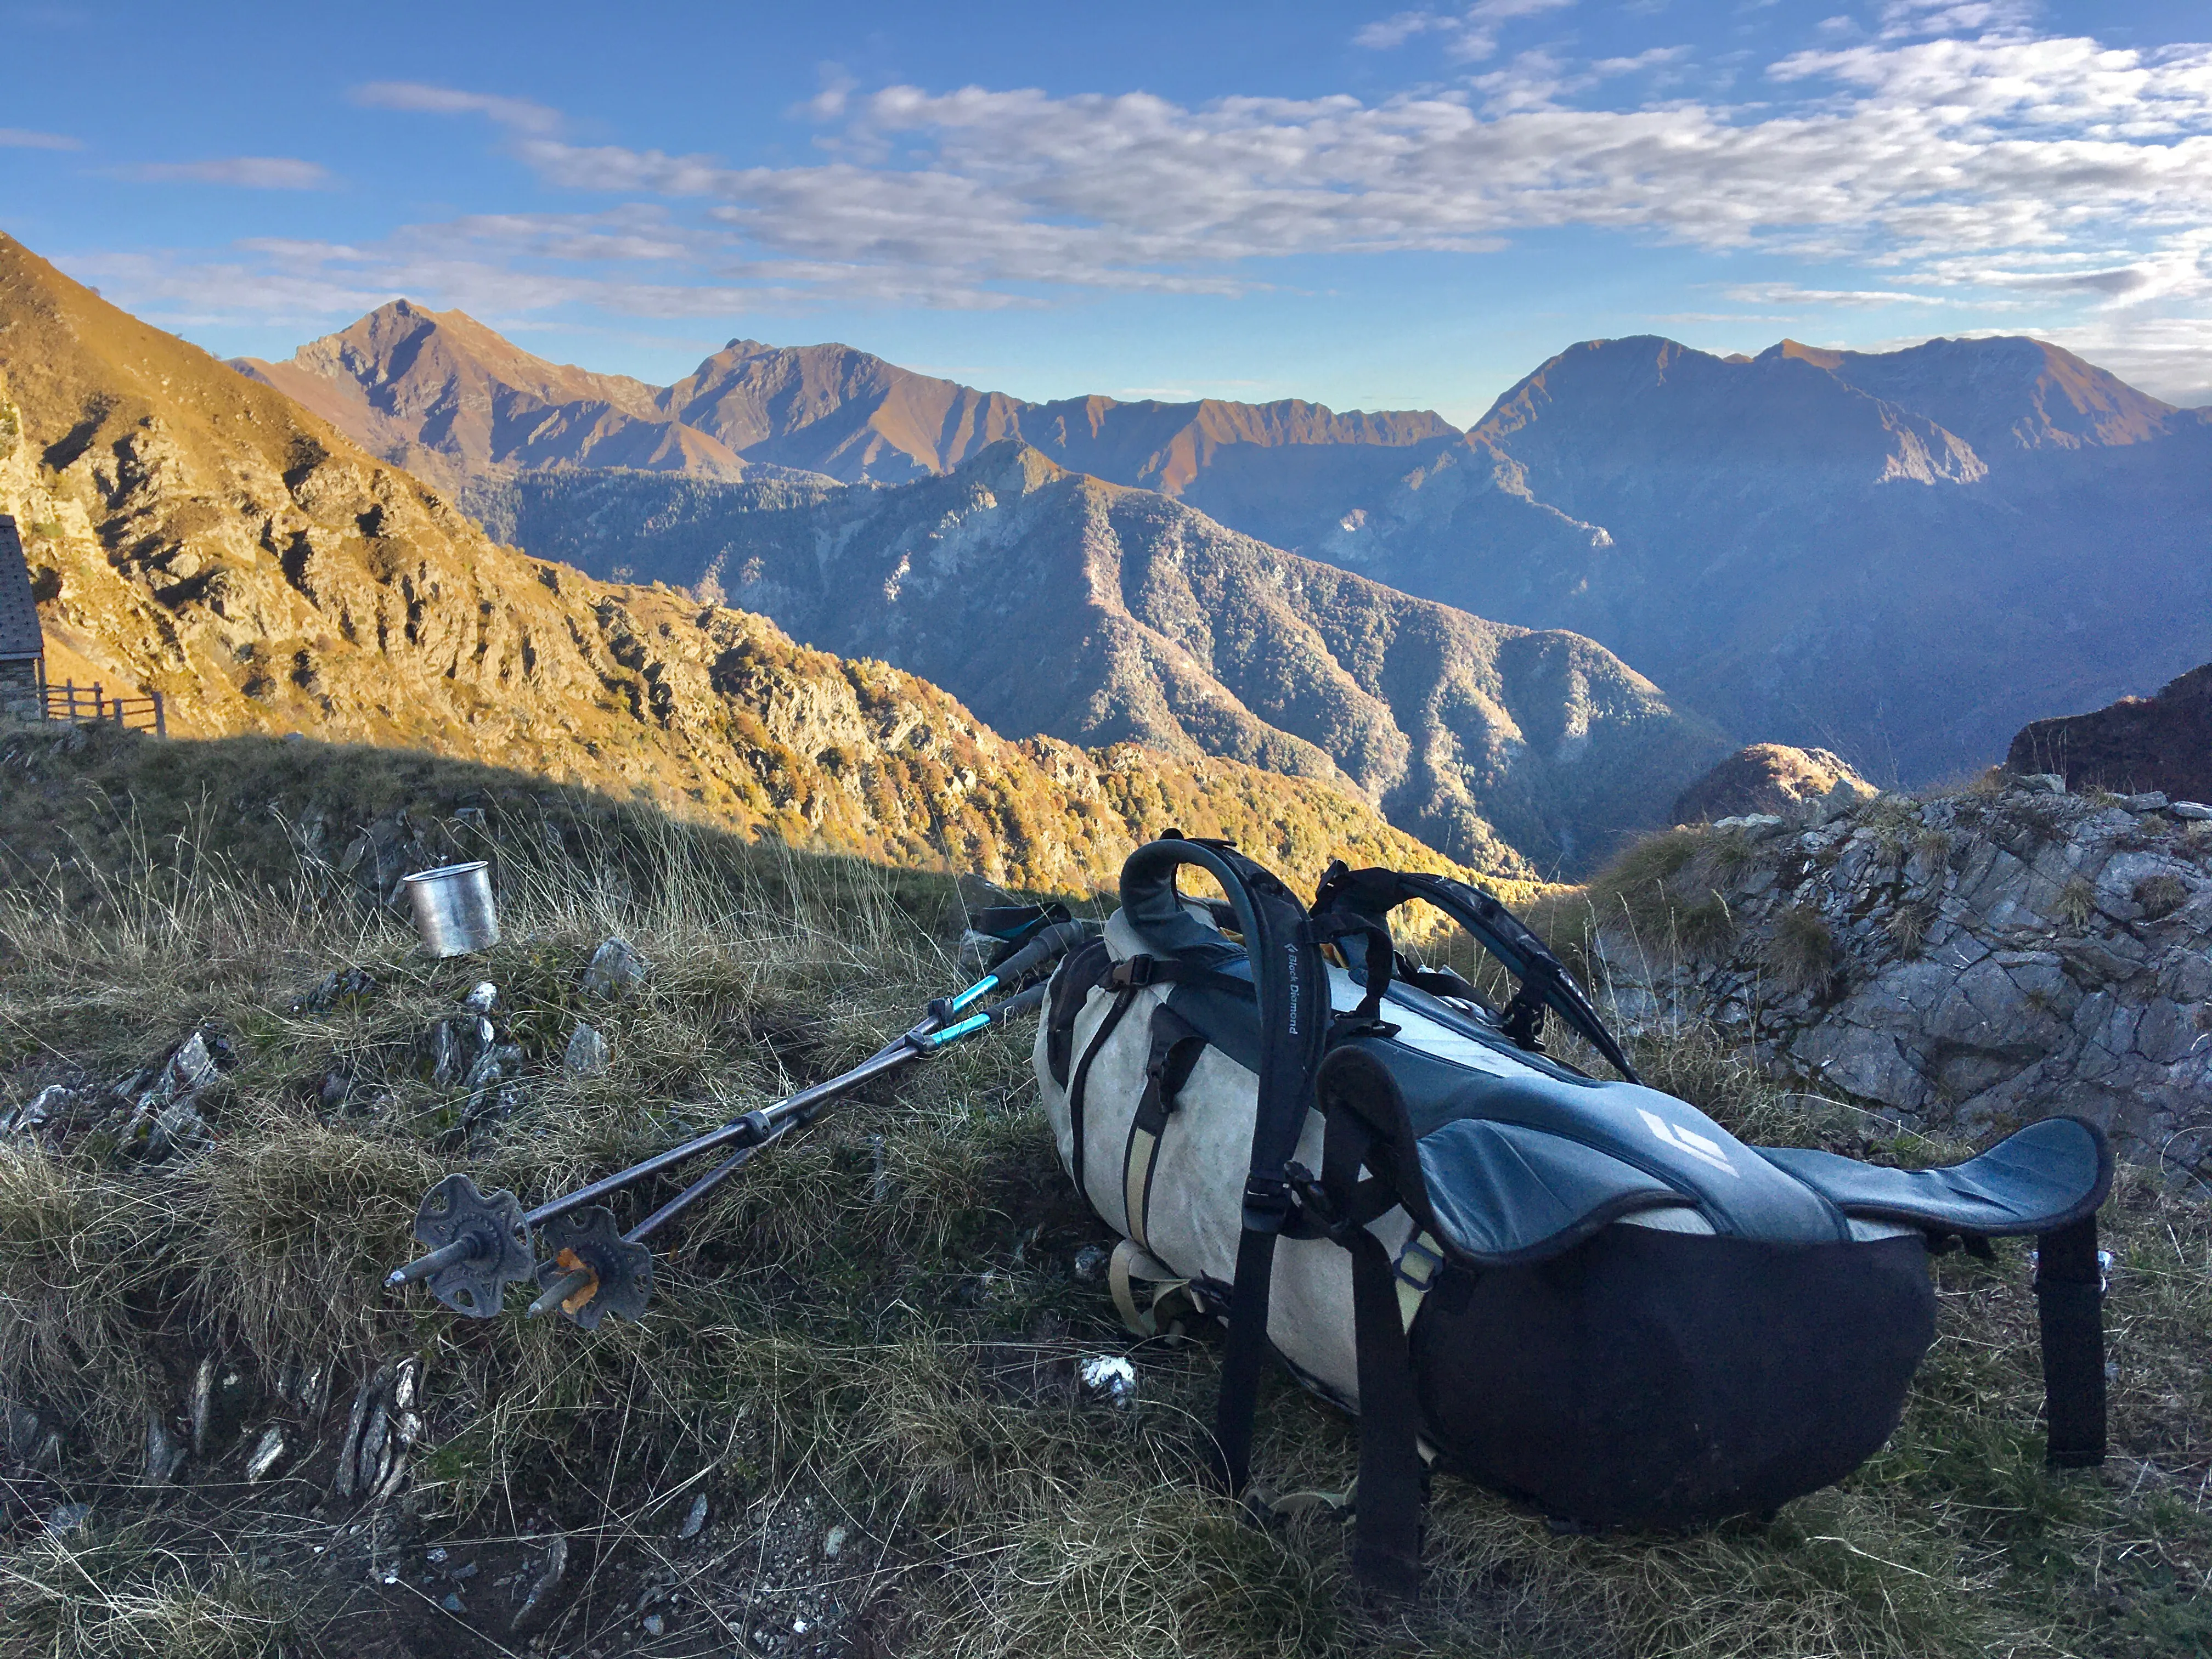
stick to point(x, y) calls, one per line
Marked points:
point(1293, 983)
point(1545, 980)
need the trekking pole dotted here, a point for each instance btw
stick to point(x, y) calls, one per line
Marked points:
point(593, 1270)
point(479, 1244)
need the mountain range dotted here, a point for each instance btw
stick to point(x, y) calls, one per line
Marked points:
point(1050, 601)
point(191, 532)
point(1899, 557)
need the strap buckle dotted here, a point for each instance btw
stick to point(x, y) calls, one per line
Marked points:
point(1133, 973)
point(1428, 1253)
point(1268, 1203)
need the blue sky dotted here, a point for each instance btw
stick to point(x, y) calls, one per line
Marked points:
point(1372, 206)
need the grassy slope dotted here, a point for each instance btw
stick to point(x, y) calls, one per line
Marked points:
point(873, 1330)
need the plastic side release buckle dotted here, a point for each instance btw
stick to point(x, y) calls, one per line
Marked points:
point(1132, 974)
point(1268, 1203)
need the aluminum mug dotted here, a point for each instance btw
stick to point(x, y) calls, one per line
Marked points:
point(453, 909)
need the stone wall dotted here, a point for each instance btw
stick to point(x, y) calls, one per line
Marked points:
point(19, 690)
point(1961, 963)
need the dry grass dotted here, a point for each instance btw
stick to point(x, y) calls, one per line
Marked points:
point(124, 1595)
point(884, 1312)
point(1803, 952)
point(2076, 903)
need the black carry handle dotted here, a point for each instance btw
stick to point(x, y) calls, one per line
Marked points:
point(1291, 984)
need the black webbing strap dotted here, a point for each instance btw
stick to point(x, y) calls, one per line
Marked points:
point(1176, 1046)
point(1292, 984)
point(1376, 960)
point(1366, 1129)
point(2070, 1294)
point(1081, 972)
point(1123, 1000)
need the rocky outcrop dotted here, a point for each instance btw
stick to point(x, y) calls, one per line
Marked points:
point(1769, 778)
point(1960, 963)
point(2162, 743)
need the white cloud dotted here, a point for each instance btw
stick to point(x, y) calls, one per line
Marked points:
point(517, 114)
point(247, 172)
point(1955, 158)
point(1468, 35)
point(21, 138)
point(1782, 293)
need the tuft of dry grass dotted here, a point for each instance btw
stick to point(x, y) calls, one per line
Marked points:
point(2160, 895)
point(1803, 952)
point(2076, 903)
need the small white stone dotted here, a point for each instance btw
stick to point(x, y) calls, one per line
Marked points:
point(587, 1052)
point(2194, 810)
point(696, 1519)
point(1110, 1378)
point(834, 1545)
point(484, 998)
point(267, 1454)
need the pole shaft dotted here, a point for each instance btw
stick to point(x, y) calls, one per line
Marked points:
point(461, 1249)
point(883, 1060)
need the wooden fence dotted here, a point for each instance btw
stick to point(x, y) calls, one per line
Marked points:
point(69, 701)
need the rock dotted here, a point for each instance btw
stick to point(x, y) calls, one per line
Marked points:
point(1090, 1262)
point(2195, 811)
point(615, 968)
point(586, 1054)
point(2153, 801)
point(371, 1397)
point(484, 998)
point(2056, 958)
point(190, 1068)
point(267, 1452)
point(654, 1623)
point(452, 1602)
point(41, 1110)
point(2042, 783)
point(69, 1517)
point(1109, 1379)
point(200, 1404)
point(544, 1592)
point(346, 985)
point(833, 1544)
point(178, 1130)
point(23, 1430)
point(1772, 779)
point(452, 1046)
point(696, 1519)
point(164, 1452)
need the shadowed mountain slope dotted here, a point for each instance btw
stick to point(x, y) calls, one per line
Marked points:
point(1051, 601)
point(2162, 743)
point(1802, 545)
point(200, 533)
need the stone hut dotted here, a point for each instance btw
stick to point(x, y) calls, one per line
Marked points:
point(23, 645)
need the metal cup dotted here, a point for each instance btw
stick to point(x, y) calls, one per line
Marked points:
point(453, 909)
